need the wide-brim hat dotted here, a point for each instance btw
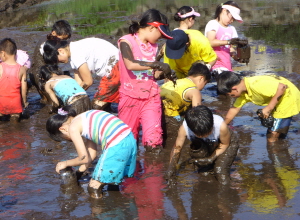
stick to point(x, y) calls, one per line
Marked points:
point(163, 29)
point(175, 47)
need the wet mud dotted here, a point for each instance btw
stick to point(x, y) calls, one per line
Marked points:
point(264, 178)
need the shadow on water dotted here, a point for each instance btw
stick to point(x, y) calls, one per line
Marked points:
point(265, 179)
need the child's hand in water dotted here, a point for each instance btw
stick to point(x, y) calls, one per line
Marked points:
point(60, 165)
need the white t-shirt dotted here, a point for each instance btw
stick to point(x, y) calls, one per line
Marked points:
point(214, 136)
point(100, 55)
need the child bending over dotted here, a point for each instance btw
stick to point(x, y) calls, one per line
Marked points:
point(98, 127)
point(13, 81)
point(201, 126)
point(65, 88)
point(280, 96)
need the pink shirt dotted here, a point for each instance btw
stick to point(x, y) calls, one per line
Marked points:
point(223, 52)
point(138, 84)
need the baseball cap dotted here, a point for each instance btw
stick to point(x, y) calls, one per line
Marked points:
point(234, 11)
point(175, 47)
point(163, 29)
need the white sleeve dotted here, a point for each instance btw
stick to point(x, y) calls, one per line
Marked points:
point(212, 25)
point(234, 33)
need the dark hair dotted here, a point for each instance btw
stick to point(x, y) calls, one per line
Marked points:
point(183, 10)
point(46, 72)
point(226, 80)
point(149, 16)
point(200, 120)
point(50, 50)
point(55, 122)
point(9, 46)
point(200, 69)
point(62, 27)
point(219, 8)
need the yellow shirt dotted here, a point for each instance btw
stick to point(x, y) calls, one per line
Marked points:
point(173, 97)
point(199, 49)
point(261, 89)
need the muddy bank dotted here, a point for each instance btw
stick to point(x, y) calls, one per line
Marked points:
point(9, 5)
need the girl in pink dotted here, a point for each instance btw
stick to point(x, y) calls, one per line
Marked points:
point(140, 102)
point(222, 35)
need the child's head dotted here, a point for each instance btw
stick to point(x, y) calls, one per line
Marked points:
point(176, 47)
point(61, 29)
point(46, 73)
point(230, 11)
point(55, 123)
point(201, 73)
point(56, 51)
point(200, 120)
point(186, 13)
point(227, 80)
point(8, 47)
point(152, 19)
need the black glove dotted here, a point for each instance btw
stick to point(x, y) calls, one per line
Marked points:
point(238, 41)
point(205, 161)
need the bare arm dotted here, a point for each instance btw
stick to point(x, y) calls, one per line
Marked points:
point(51, 93)
point(195, 96)
point(231, 114)
point(275, 99)
point(85, 76)
point(23, 78)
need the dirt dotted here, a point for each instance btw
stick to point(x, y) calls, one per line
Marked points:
point(9, 5)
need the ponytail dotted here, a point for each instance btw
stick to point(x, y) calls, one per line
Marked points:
point(56, 121)
point(46, 72)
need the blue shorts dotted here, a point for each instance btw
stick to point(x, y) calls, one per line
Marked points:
point(281, 125)
point(117, 161)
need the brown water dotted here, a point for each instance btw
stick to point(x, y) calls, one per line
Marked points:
point(265, 179)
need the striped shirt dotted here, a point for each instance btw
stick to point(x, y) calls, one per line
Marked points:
point(103, 128)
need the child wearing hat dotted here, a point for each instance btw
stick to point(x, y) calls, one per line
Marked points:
point(222, 35)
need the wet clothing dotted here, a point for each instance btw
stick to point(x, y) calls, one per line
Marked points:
point(100, 55)
point(10, 89)
point(214, 136)
point(261, 89)
point(117, 162)
point(119, 147)
point(66, 89)
point(172, 97)
point(199, 49)
point(108, 89)
point(281, 125)
point(223, 52)
point(140, 102)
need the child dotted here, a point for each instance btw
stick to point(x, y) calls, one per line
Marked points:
point(139, 93)
point(89, 56)
point(119, 149)
point(185, 48)
point(200, 123)
point(222, 35)
point(65, 88)
point(176, 99)
point(13, 82)
point(279, 95)
point(186, 16)
point(61, 29)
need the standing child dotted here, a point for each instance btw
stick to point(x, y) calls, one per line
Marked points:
point(89, 56)
point(98, 127)
point(139, 93)
point(65, 88)
point(13, 81)
point(222, 35)
point(280, 96)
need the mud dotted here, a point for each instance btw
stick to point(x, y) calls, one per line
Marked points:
point(264, 178)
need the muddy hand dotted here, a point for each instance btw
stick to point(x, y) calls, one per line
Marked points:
point(206, 160)
point(239, 41)
point(171, 76)
point(60, 166)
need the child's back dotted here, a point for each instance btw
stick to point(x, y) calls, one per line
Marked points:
point(10, 86)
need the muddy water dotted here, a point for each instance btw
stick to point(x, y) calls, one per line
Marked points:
point(265, 179)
